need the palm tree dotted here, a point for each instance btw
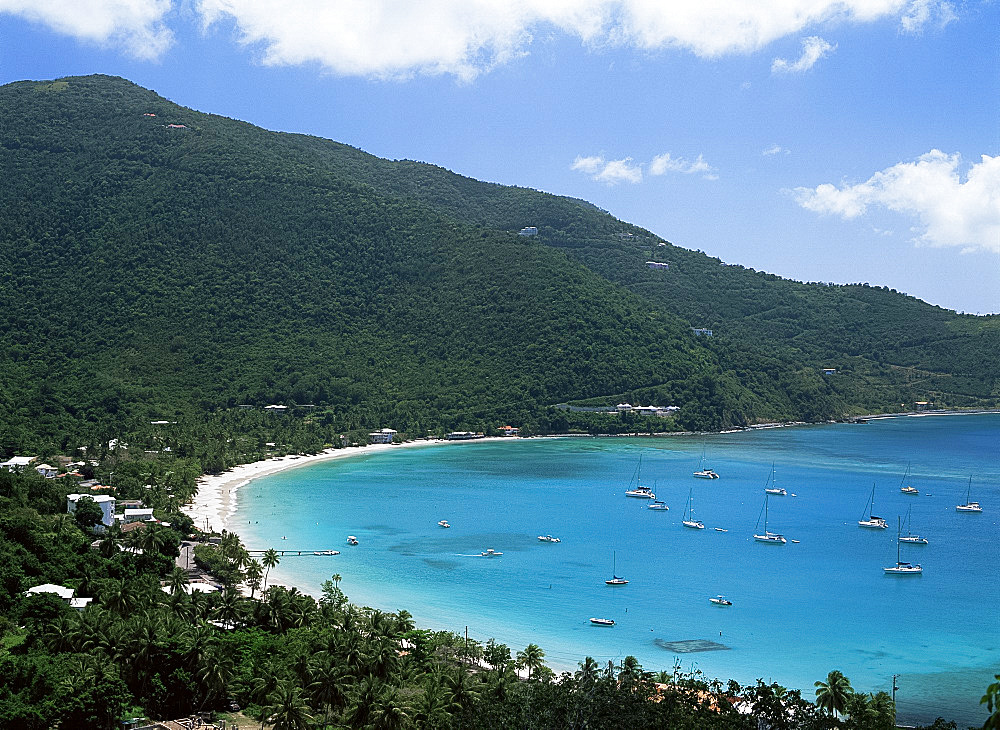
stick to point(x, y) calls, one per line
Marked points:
point(228, 608)
point(832, 695)
point(269, 560)
point(112, 541)
point(336, 580)
point(287, 709)
point(254, 573)
point(589, 671)
point(531, 658)
point(364, 702)
point(326, 686)
point(214, 674)
point(177, 580)
point(390, 714)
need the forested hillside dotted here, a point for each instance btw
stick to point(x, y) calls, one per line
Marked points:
point(156, 261)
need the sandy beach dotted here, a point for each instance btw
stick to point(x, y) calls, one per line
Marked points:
point(215, 502)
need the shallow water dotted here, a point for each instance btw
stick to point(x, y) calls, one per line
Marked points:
point(800, 610)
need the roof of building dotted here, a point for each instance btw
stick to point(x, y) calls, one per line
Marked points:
point(19, 461)
point(61, 591)
point(96, 497)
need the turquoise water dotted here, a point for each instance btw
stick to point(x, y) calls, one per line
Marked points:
point(800, 610)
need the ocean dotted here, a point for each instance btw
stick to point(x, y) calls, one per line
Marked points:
point(799, 610)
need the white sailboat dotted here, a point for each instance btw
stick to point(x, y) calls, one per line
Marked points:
point(910, 537)
point(614, 580)
point(773, 488)
point(639, 491)
point(969, 505)
point(772, 538)
point(688, 519)
point(704, 472)
point(901, 568)
point(903, 486)
point(873, 522)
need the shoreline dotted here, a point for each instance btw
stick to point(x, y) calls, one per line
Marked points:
point(215, 502)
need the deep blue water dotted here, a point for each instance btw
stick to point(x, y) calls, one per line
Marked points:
point(800, 610)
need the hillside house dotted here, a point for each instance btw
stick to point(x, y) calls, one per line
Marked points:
point(144, 514)
point(17, 463)
point(528, 231)
point(702, 332)
point(47, 470)
point(657, 265)
point(66, 594)
point(105, 501)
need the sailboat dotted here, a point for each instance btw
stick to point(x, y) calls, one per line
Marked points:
point(903, 486)
point(774, 488)
point(614, 580)
point(639, 491)
point(703, 472)
point(901, 568)
point(873, 521)
point(969, 506)
point(909, 537)
point(768, 537)
point(688, 519)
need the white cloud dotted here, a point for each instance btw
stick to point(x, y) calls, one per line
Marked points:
point(662, 164)
point(399, 38)
point(135, 25)
point(775, 149)
point(813, 49)
point(951, 212)
point(610, 172)
point(921, 12)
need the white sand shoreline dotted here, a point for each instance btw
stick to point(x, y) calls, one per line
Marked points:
point(215, 503)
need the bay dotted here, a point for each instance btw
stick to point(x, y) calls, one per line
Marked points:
point(799, 610)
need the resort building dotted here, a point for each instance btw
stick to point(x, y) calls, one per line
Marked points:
point(702, 331)
point(509, 431)
point(105, 501)
point(657, 265)
point(463, 436)
point(385, 436)
point(528, 231)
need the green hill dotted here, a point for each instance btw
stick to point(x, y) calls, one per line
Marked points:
point(175, 264)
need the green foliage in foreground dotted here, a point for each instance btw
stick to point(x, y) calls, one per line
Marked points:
point(296, 662)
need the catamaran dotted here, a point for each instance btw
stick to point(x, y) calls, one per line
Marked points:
point(771, 538)
point(688, 519)
point(969, 506)
point(901, 568)
point(704, 472)
point(873, 522)
point(639, 491)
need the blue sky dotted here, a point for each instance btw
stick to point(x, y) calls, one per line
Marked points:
point(822, 140)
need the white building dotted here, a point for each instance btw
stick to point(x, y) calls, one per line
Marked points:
point(105, 501)
point(657, 265)
point(624, 407)
point(47, 470)
point(699, 331)
point(385, 436)
point(137, 515)
point(17, 463)
point(66, 594)
point(528, 231)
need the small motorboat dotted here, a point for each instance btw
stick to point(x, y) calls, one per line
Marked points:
point(721, 529)
point(443, 523)
point(351, 540)
point(909, 490)
point(603, 621)
point(706, 474)
point(548, 538)
point(490, 553)
point(721, 600)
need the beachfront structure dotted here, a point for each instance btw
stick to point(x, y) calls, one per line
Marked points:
point(385, 436)
point(17, 463)
point(66, 594)
point(659, 411)
point(194, 586)
point(702, 331)
point(463, 436)
point(509, 430)
point(657, 265)
point(105, 501)
point(528, 231)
